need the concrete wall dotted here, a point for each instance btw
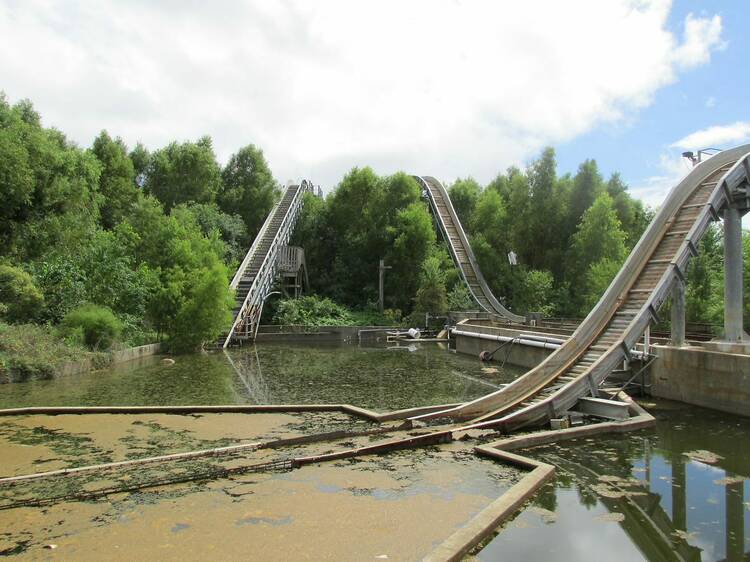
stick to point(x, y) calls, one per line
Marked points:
point(77, 367)
point(323, 334)
point(518, 355)
point(720, 381)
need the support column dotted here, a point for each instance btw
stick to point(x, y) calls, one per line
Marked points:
point(735, 523)
point(733, 275)
point(679, 493)
point(678, 313)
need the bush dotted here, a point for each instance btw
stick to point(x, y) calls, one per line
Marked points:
point(460, 299)
point(312, 311)
point(99, 325)
point(19, 297)
point(29, 351)
point(205, 313)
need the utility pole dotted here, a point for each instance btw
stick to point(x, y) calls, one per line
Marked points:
point(381, 277)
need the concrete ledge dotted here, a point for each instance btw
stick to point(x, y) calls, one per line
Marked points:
point(518, 355)
point(694, 375)
point(487, 520)
point(114, 357)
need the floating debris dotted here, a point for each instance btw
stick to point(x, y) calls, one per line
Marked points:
point(729, 480)
point(684, 535)
point(613, 517)
point(490, 370)
point(704, 456)
point(607, 492)
point(546, 515)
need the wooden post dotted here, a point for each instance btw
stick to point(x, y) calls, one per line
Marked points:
point(381, 277)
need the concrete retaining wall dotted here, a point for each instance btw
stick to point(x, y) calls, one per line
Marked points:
point(319, 334)
point(518, 355)
point(121, 356)
point(720, 381)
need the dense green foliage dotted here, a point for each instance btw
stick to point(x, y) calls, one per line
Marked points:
point(95, 326)
point(570, 235)
point(20, 299)
point(153, 237)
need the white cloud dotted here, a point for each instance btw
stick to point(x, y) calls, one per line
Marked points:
point(433, 86)
point(701, 36)
point(654, 189)
point(715, 136)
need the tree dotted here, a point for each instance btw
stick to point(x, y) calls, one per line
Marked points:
point(598, 240)
point(210, 219)
point(116, 181)
point(184, 173)
point(587, 185)
point(431, 295)
point(633, 216)
point(205, 313)
point(249, 189)
point(542, 218)
point(20, 300)
point(49, 187)
point(141, 159)
point(464, 194)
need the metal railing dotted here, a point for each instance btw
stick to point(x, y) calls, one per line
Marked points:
point(249, 314)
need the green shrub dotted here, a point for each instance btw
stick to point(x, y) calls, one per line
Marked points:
point(19, 297)
point(312, 311)
point(33, 352)
point(205, 313)
point(99, 325)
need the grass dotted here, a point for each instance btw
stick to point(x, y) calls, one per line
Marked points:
point(30, 351)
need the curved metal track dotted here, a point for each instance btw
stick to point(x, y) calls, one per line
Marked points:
point(256, 274)
point(604, 339)
point(460, 249)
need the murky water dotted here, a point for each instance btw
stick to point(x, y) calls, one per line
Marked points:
point(379, 378)
point(680, 492)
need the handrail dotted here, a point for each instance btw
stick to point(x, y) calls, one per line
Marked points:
point(250, 253)
point(267, 270)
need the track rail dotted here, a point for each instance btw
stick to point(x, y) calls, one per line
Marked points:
point(604, 339)
point(460, 249)
point(256, 274)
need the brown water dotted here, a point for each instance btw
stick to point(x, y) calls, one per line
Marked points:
point(678, 492)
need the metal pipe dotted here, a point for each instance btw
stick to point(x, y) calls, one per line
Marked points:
point(541, 338)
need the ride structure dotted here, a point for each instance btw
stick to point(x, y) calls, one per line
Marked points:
point(461, 252)
point(717, 187)
point(268, 255)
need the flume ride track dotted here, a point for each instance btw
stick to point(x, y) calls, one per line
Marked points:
point(460, 249)
point(254, 278)
point(607, 335)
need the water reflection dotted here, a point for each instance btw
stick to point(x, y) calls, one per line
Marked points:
point(381, 378)
point(378, 378)
point(679, 493)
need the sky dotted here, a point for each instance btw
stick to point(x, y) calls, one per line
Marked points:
point(449, 88)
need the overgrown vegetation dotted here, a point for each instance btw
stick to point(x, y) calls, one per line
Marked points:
point(151, 237)
point(31, 351)
point(155, 237)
